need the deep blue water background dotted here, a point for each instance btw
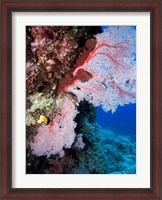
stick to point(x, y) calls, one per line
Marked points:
point(104, 27)
point(123, 121)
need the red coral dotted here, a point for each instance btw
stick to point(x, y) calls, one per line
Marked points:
point(81, 74)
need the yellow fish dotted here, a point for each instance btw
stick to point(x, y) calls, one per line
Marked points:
point(42, 119)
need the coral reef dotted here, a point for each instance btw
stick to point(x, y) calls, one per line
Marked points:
point(105, 152)
point(40, 103)
point(69, 72)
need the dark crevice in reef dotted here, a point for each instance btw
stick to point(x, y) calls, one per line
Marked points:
point(86, 111)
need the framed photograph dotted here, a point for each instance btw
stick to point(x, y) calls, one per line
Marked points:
point(80, 99)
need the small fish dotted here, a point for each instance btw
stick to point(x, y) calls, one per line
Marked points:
point(43, 119)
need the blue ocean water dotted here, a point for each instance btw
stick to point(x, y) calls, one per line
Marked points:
point(104, 27)
point(122, 121)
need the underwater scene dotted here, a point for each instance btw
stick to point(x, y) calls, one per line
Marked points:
point(80, 99)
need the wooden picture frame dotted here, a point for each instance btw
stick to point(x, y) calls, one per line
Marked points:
point(7, 8)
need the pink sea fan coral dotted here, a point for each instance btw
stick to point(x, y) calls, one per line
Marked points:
point(51, 139)
point(112, 67)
